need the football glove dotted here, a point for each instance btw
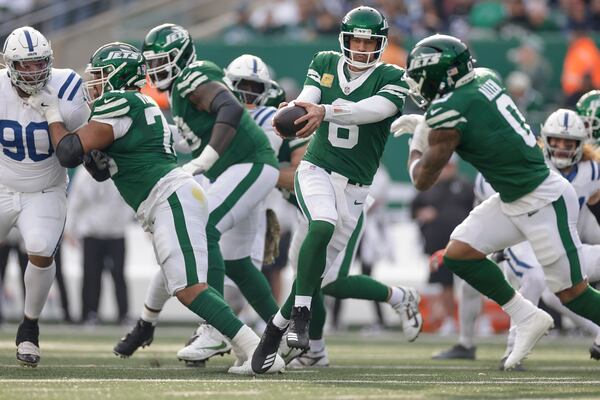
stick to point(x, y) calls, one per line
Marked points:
point(271, 238)
point(420, 139)
point(406, 124)
point(46, 103)
point(436, 260)
point(99, 165)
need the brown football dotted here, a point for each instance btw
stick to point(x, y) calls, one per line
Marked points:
point(284, 120)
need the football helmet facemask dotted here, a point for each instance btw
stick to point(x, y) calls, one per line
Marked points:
point(250, 78)
point(564, 124)
point(168, 49)
point(437, 65)
point(114, 66)
point(28, 57)
point(365, 23)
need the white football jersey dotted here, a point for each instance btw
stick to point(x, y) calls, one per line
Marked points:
point(263, 115)
point(27, 160)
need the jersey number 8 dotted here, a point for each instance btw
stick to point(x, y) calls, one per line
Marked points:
point(14, 144)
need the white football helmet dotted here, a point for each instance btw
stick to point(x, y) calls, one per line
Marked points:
point(28, 57)
point(249, 68)
point(564, 124)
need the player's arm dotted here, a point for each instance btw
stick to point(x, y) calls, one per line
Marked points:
point(286, 174)
point(71, 146)
point(425, 164)
point(215, 98)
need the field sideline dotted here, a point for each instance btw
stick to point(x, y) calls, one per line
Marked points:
point(81, 366)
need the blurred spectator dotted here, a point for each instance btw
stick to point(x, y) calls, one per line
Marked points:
point(581, 68)
point(395, 53)
point(529, 58)
point(276, 16)
point(438, 211)
point(539, 17)
point(528, 100)
point(98, 215)
point(241, 30)
point(516, 21)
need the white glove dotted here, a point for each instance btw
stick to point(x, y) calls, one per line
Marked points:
point(420, 139)
point(203, 162)
point(193, 168)
point(406, 124)
point(46, 103)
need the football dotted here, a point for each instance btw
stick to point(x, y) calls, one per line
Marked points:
point(284, 120)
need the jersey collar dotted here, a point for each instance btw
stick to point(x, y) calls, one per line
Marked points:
point(350, 86)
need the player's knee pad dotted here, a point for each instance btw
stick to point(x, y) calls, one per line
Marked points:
point(38, 244)
point(545, 249)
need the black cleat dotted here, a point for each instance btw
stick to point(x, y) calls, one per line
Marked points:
point(297, 336)
point(595, 351)
point(28, 350)
point(266, 351)
point(141, 335)
point(456, 352)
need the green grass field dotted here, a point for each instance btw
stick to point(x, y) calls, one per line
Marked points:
point(79, 364)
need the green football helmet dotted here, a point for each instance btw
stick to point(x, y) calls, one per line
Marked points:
point(365, 23)
point(114, 66)
point(588, 108)
point(436, 65)
point(168, 49)
point(275, 96)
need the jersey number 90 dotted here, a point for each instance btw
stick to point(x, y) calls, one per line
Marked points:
point(18, 142)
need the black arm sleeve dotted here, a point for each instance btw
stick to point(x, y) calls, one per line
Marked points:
point(69, 151)
point(228, 109)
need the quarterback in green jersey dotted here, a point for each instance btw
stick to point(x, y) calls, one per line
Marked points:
point(128, 140)
point(232, 159)
point(351, 99)
point(469, 112)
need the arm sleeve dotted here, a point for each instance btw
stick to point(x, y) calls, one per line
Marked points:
point(120, 125)
point(367, 111)
point(310, 94)
point(77, 117)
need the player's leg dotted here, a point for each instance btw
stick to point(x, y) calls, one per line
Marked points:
point(41, 222)
point(552, 232)
point(180, 244)
point(466, 254)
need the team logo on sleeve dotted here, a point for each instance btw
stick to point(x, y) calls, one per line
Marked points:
point(327, 80)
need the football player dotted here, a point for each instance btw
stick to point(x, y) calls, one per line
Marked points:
point(351, 99)
point(138, 155)
point(468, 111)
point(231, 151)
point(565, 149)
point(32, 182)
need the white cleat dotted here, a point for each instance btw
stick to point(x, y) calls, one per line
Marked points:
point(318, 359)
point(246, 367)
point(206, 343)
point(529, 332)
point(28, 354)
point(288, 353)
point(410, 316)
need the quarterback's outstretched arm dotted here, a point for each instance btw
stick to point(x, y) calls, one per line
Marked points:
point(425, 167)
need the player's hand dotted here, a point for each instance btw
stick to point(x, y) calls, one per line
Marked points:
point(193, 168)
point(406, 124)
point(46, 103)
point(420, 139)
point(436, 260)
point(314, 116)
point(99, 165)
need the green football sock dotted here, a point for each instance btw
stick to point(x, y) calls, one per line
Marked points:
point(317, 320)
point(216, 266)
point(286, 308)
point(485, 276)
point(357, 287)
point(312, 257)
point(587, 304)
point(254, 286)
point(211, 306)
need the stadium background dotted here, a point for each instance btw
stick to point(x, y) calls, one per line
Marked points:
point(504, 35)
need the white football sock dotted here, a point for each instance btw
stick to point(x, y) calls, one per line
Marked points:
point(279, 321)
point(156, 298)
point(246, 341)
point(469, 308)
point(38, 282)
point(302, 301)
point(396, 296)
point(519, 309)
point(317, 345)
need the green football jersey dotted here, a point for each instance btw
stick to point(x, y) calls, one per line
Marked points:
point(249, 145)
point(494, 135)
point(285, 157)
point(144, 154)
point(352, 150)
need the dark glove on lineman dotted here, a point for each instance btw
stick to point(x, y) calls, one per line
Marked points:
point(97, 164)
point(271, 238)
